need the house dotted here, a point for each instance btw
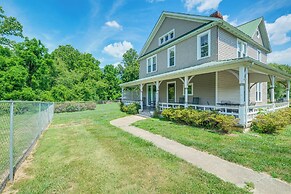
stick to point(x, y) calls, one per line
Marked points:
point(205, 63)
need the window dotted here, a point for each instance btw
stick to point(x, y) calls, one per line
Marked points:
point(190, 89)
point(167, 37)
point(171, 56)
point(203, 45)
point(241, 49)
point(258, 33)
point(259, 92)
point(259, 55)
point(152, 64)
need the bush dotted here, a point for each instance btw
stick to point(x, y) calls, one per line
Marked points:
point(74, 106)
point(130, 108)
point(197, 118)
point(272, 122)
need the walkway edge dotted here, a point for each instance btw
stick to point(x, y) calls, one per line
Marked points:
point(225, 170)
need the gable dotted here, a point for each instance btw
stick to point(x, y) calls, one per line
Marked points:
point(179, 26)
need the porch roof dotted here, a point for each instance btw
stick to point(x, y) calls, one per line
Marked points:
point(213, 67)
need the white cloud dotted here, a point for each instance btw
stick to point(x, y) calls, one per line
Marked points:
point(281, 57)
point(154, 1)
point(117, 49)
point(202, 5)
point(232, 22)
point(278, 31)
point(113, 24)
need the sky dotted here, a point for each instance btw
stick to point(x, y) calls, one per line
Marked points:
point(107, 28)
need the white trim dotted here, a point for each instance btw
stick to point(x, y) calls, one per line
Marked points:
point(216, 87)
point(259, 57)
point(259, 92)
point(237, 48)
point(168, 56)
point(171, 82)
point(189, 84)
point(208, 32)
point(164, 37)
point(152, 92)
point(151, 59)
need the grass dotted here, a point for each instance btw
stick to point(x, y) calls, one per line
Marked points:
point(82, 153)
point(261, 152)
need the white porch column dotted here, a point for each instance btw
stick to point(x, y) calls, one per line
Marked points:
point(141, 102)
point(122, 94)
point(186, 91)
point(288, 92)
point(243, 98)
point(272, 89)
point(157, 94)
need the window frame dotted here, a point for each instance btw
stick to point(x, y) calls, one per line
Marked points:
point(163, 37)
point(208, 32)
point(259, 92)
point(151, 59)
point(168, 56)
point(189, 84)
point(237, 48)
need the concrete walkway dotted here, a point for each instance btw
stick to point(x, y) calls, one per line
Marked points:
point(223, 169)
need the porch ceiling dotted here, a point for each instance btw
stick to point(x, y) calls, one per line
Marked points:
point(214, 66)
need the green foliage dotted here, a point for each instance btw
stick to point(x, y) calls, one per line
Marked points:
point(272, 122)
point(132, 108)
point(130, 71)
point(74, 106)
point(206, 119)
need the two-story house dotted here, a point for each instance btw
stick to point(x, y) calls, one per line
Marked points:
point(205, 63)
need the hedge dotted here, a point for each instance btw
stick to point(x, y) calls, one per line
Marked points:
point(132, 108)
point(74, 106)
point(197, 118)
point(272, 122)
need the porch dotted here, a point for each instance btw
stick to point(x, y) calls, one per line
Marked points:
point(229, 87)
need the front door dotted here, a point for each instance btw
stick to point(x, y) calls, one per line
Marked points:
point(171, 92)
point(151, 94)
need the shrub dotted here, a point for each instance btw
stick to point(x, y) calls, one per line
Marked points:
point(74, 106)
point(197, 118)
point(272, 122)
point(132, 108)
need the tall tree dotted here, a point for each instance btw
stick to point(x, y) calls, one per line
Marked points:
point(110, 76)
point(130, 70)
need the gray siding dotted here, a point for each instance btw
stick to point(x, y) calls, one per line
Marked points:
point(204, 88)
point(258, 39)
point(186, 56)
point(227, 87)
point(181, 27)
point(264, 94)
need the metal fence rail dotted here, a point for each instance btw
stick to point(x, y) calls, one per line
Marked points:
point(21, 124)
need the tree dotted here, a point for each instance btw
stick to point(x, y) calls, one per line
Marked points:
point(9, 26)
point(130, 71)
point(110, 76)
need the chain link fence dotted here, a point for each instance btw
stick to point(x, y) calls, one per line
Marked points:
point(21, 124)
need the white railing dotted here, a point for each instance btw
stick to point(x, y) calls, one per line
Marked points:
point(227, 110)
point(127, 102)
point(255, 110)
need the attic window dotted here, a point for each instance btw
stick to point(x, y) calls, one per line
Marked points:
point(258, 33)
point(167, 37)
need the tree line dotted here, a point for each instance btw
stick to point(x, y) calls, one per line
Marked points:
point(29, 72)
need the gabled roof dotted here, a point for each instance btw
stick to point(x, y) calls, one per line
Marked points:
point(250, 28)
point(244, 31)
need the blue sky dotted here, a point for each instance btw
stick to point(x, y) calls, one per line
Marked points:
point(107, 28)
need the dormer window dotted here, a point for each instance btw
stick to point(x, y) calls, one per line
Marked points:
point(241, 49)
point(167, 37)
point(258, 33)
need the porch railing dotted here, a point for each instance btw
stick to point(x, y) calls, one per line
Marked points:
point(227, 110)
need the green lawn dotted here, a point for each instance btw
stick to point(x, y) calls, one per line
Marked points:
point(82, 153)
point(268, 153)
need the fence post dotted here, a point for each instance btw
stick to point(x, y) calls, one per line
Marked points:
point(11, 142)
point(39, 118)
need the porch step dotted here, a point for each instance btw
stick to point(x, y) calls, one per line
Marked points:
point(146, 113)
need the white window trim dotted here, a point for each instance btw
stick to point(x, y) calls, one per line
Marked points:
point(168, 56)
point(151, 58)
point(199, 44)
point(242, 42)
point(259, 58)
point(163, 37)
point(168, 90)
point(259, 92)
point(190, 84)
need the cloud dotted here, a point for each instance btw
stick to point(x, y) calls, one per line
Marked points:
point(232, 22)
point(117, 49)
point(201, 5)
point(282, 57)
point(154, 1)
point(113, 24)
point(115, 6)
point(278, 31)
